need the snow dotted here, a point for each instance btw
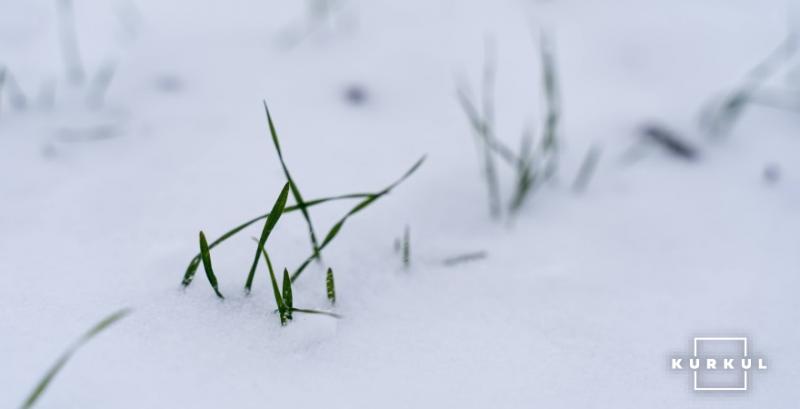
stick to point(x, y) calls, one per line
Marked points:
point(581, 299)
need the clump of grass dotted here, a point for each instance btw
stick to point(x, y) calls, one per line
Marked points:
point(284, 299)
point(283, 294)
point(48, 377)
point(532, 165)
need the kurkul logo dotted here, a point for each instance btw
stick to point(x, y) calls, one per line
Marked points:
point(719, 364)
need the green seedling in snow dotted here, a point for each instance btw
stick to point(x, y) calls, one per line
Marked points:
point(45, 381)
point(531, 166)
point(287, 293)
point(284, 299)
point(367, 199)
point(330, 286)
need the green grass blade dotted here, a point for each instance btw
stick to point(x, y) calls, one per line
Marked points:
point(44, 382)
point(526, 182)
point(295, 191)
point(464, 258)
point(358, 207)
point(191, 270)
point(330, 286)
point(275, 290)
point(287, 293)
point(308, 311)
point(272, 220)
point(206, 257)
point(550, 136)
point(587, 169)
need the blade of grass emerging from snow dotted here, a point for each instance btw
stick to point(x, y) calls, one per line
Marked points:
point(287, 293)
point(487, 146)
point(550, 144)
point(191, 269)
point(464, 258)
point(587, 169)
point(272, 220)
point(275, 290)
point(295, 191)
point(40, 388)
point(308, 311)
point(357, 208)
point(206, 256)
point(330, 286)
point(719, 117)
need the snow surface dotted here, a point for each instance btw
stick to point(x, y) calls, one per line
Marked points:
point(581, 300)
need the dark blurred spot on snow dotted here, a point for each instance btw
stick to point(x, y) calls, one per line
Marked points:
point(355, 94)
point(168, 83)
point(772, 173)
point(89, 133)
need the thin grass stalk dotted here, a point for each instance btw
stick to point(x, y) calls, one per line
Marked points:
point(206, 256)
point(526, 173)
point(48, 377)
point(478, 126)
point(287, 294)
point(269, 224)
point(719, 118)
point(318, 312)
point(282, 312)
point(69, 42)
point(464, 258)
point(99, 85)
point(357, 208)
point(587, 169)
point(550, 143)
point(295, 191)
